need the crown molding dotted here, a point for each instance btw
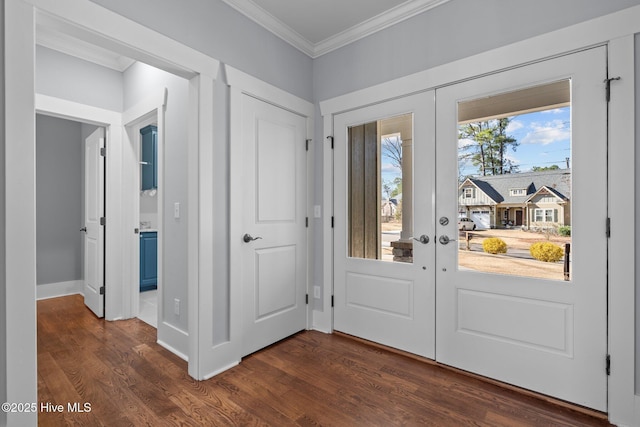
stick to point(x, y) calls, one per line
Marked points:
point(370, 26)
point(263, 18)
point(379, 22)
point(75, 47)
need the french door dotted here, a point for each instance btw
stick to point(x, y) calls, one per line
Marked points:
point(384, 254)
point(521, 297)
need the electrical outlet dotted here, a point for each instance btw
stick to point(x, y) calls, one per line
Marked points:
point(176, 307)
point(316, 292)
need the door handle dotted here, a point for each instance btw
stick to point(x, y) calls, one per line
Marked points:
point(248, 238)
point(444, 239)
point(84, 229)
point(424, 239)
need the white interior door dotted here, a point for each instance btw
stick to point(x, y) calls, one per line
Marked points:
point(94, 230)
point(384, 275)
point(274, 248)
point(546, 334)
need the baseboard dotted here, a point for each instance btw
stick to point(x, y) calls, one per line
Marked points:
point(59, 289)
point(174, 340)
point(221, 370)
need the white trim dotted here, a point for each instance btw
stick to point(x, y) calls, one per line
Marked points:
point(579, 36)
point(59, 289)
point(268, 93)
point(221, 370)
point(370, 26)
point(384, 20)
point(88, 21)
point(115, 299)
point(80, 49)
point(616, 30)
point(622, 265)
point(272, 24)
point(20, 210)
point(243, 84)
point(148, 111)
point(323, 319)
point(170, 334)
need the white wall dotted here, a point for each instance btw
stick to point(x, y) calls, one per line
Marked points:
point(68, 77)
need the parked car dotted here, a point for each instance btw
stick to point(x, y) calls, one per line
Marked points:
point(466, 224)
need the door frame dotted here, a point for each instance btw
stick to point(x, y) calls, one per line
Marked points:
point(112, 122)
point(241, 84)
point(151, 109)
point(616, 31)
point(112, 31)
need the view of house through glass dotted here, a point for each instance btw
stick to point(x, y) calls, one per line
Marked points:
point(514, 173)
point(380, 189)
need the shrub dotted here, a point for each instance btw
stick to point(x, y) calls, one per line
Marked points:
point(494, 245)
point(564, 230)
point(546, 251)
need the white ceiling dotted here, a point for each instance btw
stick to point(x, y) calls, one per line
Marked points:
point(315, 27)
point(319, 26)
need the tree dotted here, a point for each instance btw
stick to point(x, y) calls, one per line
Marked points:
point(490, 146)
point(398, 190)
point(392, 148)
point(545, 168)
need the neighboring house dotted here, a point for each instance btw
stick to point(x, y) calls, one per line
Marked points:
point(529, 200)
point(388, 209)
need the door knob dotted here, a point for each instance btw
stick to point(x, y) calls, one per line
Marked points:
point(248, 238)
point(424, 239)
point(444, 239)
point(84, 229)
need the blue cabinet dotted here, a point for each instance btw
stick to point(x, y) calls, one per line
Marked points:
point(149, 169)
point(148, 260)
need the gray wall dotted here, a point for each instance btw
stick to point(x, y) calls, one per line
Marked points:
point(59, 200)
point(214, 28)
point(140, 81)
point(67, 77)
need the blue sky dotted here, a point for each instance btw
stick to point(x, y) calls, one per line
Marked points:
point(544, 137)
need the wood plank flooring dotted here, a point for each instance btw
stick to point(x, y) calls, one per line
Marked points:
point(310, 379)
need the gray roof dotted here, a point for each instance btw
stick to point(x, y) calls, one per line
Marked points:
point(498, 187)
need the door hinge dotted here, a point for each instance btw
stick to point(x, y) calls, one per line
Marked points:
point(607, 83)
point(332, 222)
point(103, 151)
point(307, 144)
point(331, 138)
point(608, 231)
point(306, 299)
point(103, 220)
point(306, 222)
point(331, 300)
point(101, 290)
point(608, 364)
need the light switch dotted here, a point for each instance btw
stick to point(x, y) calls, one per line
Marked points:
point(176, 210)
point(317, 212)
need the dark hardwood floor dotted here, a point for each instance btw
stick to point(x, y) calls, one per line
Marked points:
point(310, 379)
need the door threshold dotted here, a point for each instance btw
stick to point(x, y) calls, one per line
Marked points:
point(555, 401)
